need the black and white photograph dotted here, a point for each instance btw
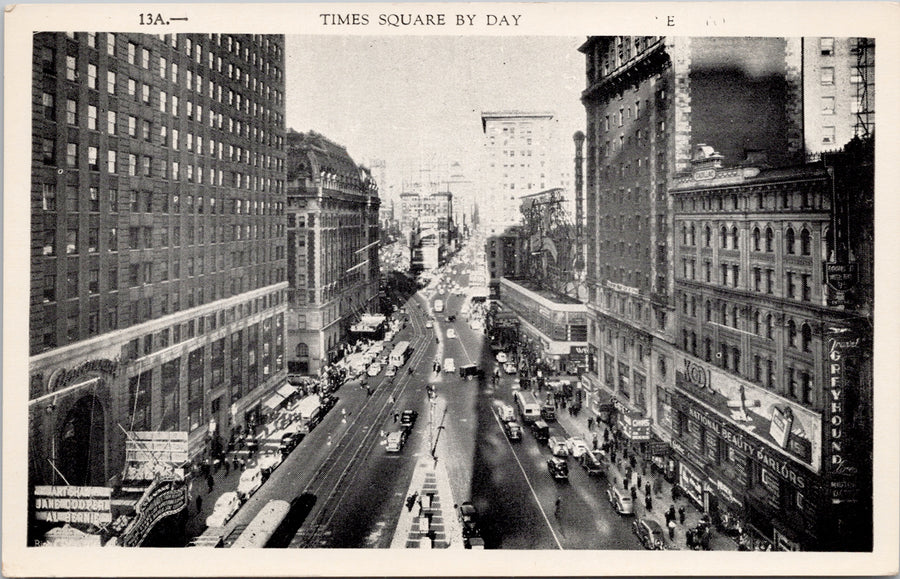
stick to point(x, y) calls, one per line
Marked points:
point(377, 286)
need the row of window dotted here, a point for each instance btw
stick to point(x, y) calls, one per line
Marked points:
point(760, 240)
point(147, 166)
point(150, 202)
point(802, 198)
point(797, 285)
point(144, 238)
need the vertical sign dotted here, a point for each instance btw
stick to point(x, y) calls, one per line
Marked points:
point(841, 343)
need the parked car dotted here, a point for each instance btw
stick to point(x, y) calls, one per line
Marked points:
point(592, 461)
point(429, 324)
point(268, 462)
point(289, 441)
point(540, 430)
point(650, 534)
point(225, 508)
point(449, 365)
point(469, 371)
point(408, 419)
point(620, 499)
point(558, 467)
point(576, 446)
point(513, 430)
point(501, 357)
point(251, 480)
point(451, 333)
point(509, 368)
point(468, 517)
point(391, 371)
point(374, 370)
point(396, 440)
point(557, 446)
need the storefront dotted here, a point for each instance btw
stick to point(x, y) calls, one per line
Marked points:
point(742, 482)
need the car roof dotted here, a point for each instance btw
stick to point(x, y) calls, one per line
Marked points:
point(652, 525)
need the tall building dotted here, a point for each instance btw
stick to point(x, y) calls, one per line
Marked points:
point(157, 264)
point(519, 158)
point(838, 91)
point(659, 109)
point(332, 256)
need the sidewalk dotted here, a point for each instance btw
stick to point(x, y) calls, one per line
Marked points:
point(432, 511)
point(661, 489)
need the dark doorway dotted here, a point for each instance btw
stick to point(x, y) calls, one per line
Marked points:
point(82, 445)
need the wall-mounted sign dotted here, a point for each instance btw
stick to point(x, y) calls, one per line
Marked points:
point(841, 342)
point(840, 276)
point(163, 498)
point(71, 504)
point(63, 377)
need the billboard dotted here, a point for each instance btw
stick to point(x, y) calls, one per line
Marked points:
point(72, 504)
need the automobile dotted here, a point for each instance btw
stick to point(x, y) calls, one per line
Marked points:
point(469, 371)
point(592, 461)
point(451, 318)
point(449, 365)
point(650, 534)
point(289, 441)
point(502, 358)
point(408, 419)
point(576, 446)
point(391, 371)
point(513, 430)
point(374, 370)
point(473, 543)
point(558, 467)
point(395, 441)
point(540, 430)
point(558, 446)
point(429, 324)
point(451, 333)
point(468, 517)
point(226, 506)
point(620, 500)
point(548, 412)
point(509, 368)
point(251, 480)
point(268, 462)
point(506, 412)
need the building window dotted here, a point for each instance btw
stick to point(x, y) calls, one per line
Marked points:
point(828, 137)
point(92, 76)
point(113, 239)
point(72, 112)
point(132, 165)
point(48, 197)
point(48, 151)
point(71, 154)
point(111, 161)
point(806, 289)
point(789, 241)
point(93, 163)
point(71, 68)
point(92, 117)
point(828, 105)
point(827, 75)
point(805, 242)
point(826, 46)
point(770, 239)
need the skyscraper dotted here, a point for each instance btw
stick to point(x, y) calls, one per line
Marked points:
point(158, 254)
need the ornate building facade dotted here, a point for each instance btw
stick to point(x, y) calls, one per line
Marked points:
point(332, 240)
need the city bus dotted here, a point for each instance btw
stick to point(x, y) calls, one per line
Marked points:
point(529, 408)
point(263, 526)
point(438, 306)
point(399, 354)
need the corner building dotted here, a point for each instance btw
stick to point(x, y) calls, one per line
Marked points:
point(157, 243)
point(332, 240)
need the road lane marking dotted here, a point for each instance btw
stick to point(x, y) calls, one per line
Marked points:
point(528, 482)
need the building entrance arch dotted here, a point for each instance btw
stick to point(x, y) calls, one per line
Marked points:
point(81, 443)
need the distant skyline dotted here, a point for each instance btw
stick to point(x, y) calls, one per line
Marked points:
point(415, 101)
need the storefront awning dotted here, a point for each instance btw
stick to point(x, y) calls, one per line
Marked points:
point(286, 391)
point(273, 401)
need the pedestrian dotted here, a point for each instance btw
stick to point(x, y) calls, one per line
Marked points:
point(236, 463)
point(590, 422)
point(595, 441)
point(199, 504)
point(633, 461)
point(633, 493)
point(671, 525)
point(605, 434)
point(227, 464)
point(210, 483)
point(648, 502)
point(557, 507)
point(396, 417)
point(639, 485)
point(670, 514)
point(674, 493)
point(681, 515)
point(647, 489)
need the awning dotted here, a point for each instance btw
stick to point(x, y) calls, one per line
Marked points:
point(273, 401)
point(286, 391)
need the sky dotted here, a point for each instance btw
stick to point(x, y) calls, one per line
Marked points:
point(417, 100)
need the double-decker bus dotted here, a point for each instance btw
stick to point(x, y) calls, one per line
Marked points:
point(399, 354)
